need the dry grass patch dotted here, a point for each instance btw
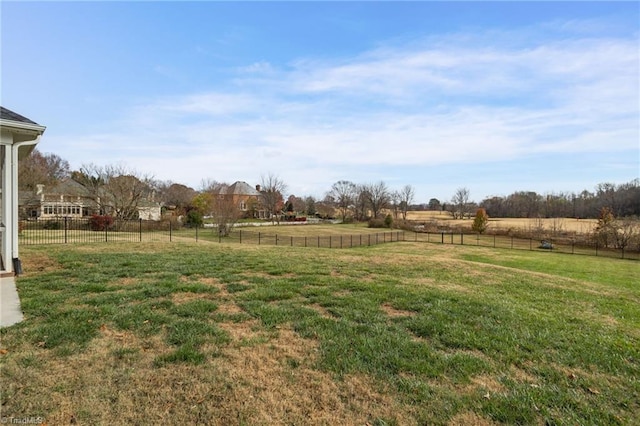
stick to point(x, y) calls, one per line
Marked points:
point(469, 418)
point(392, 312)
point(37, 263)
point(324, 313)
point(184, 297)
point(279, 381)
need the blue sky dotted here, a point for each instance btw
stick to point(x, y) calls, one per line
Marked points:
point(495, 97)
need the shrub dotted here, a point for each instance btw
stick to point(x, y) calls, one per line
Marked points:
point(376, 223)
point(481, 221)
point(100, 222)
point(194, 218)
point(52, 224)
point(388, 221)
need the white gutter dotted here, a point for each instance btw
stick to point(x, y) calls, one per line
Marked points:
point(19, 125)
point(14, 193)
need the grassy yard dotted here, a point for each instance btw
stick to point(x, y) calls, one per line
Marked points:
point(402, 333)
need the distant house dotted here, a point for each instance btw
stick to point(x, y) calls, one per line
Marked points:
point(71, 199)
point(246, 198)
point(149, 210)
point(67, 199)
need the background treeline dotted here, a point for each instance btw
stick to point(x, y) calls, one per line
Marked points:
point(623, 200)
point(362, 201)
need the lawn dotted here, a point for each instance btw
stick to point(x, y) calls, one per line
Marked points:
point(401, 333)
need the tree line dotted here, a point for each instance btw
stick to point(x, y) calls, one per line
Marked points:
point(622, 200)
point(119, 189)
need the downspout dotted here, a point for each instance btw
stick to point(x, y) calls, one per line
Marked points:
point(17, 265)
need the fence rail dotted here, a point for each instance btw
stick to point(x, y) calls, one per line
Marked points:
point(69, 231)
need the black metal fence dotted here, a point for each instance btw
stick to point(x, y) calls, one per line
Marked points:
point(70, 230)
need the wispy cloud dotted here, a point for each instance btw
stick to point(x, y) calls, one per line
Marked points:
point(459, 98)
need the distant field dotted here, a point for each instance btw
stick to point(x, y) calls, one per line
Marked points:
point(580, 226)
point(402, 333)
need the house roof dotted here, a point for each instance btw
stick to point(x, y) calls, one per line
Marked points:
point(239, 188)
point(7, 114)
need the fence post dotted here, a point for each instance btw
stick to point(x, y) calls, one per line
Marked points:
point(573, 244)
point(442, 238)
point(65, 229)
point(461, 239)
point(241, 236)
point(170, 232)
point(106, 229)
point(318, 241)
point(596, 248)
point(292, 241)
point(369, 242)
point(305, 240)
point(140, 230)
point(351, 243)
point(530, 243)
point(329, 241)
point(258, 238)
point(340, 241)
point(276, 239)
point(512, 242)
point(494, 240)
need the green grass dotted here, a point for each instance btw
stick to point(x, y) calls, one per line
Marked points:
point(514, 337)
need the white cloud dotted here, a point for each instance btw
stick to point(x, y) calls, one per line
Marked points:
point(455, 99)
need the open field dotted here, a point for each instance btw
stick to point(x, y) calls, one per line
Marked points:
point(402, 333)
point(572, 225)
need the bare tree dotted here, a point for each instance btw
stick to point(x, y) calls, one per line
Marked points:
point(271, 189)
point(224, 210)
point(38, 168)
point(361, 202)
point(394, 203)
point(343, 193)
point(459, 201)
point(406, 198)
point(117, 190)
point(175, 195)
point(378, 197)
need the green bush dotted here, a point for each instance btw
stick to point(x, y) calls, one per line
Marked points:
point(52, 224)
point(194, 218)
point(376, 223)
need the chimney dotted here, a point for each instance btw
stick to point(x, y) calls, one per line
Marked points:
point(258, 188)
point(40, 191)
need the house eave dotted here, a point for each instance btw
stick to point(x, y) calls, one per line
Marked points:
point(19, 127)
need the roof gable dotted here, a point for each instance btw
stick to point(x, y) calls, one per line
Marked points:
point(7, 114)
